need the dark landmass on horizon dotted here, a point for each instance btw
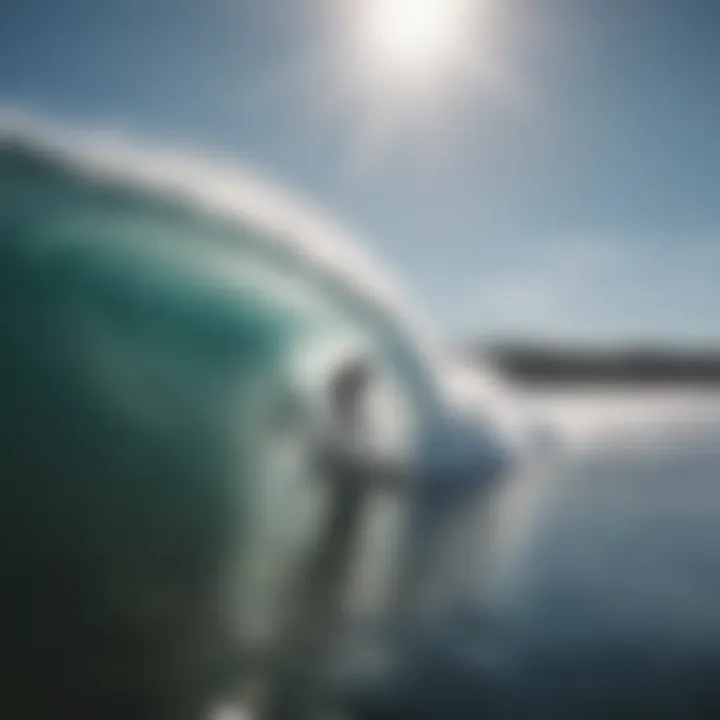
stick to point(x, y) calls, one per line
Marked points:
point(531, 363)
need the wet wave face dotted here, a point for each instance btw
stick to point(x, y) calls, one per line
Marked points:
point(125, 452)
point(144, 332)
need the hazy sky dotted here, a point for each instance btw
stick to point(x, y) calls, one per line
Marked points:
point(571, 189)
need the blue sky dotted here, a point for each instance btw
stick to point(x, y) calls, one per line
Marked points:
point(581, 204)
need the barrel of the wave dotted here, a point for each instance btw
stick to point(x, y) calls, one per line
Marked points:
point(127, 455)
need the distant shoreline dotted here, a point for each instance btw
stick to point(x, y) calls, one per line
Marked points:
point(546, 366)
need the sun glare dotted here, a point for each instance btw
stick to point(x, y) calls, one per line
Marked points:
point(407, 71)
point(403, 76)
point(412, 38)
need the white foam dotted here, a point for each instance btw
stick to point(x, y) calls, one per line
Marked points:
point(218, 187)
point(241, 195)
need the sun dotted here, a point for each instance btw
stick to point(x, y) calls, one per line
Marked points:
point(401, 76)
point(412, 39)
